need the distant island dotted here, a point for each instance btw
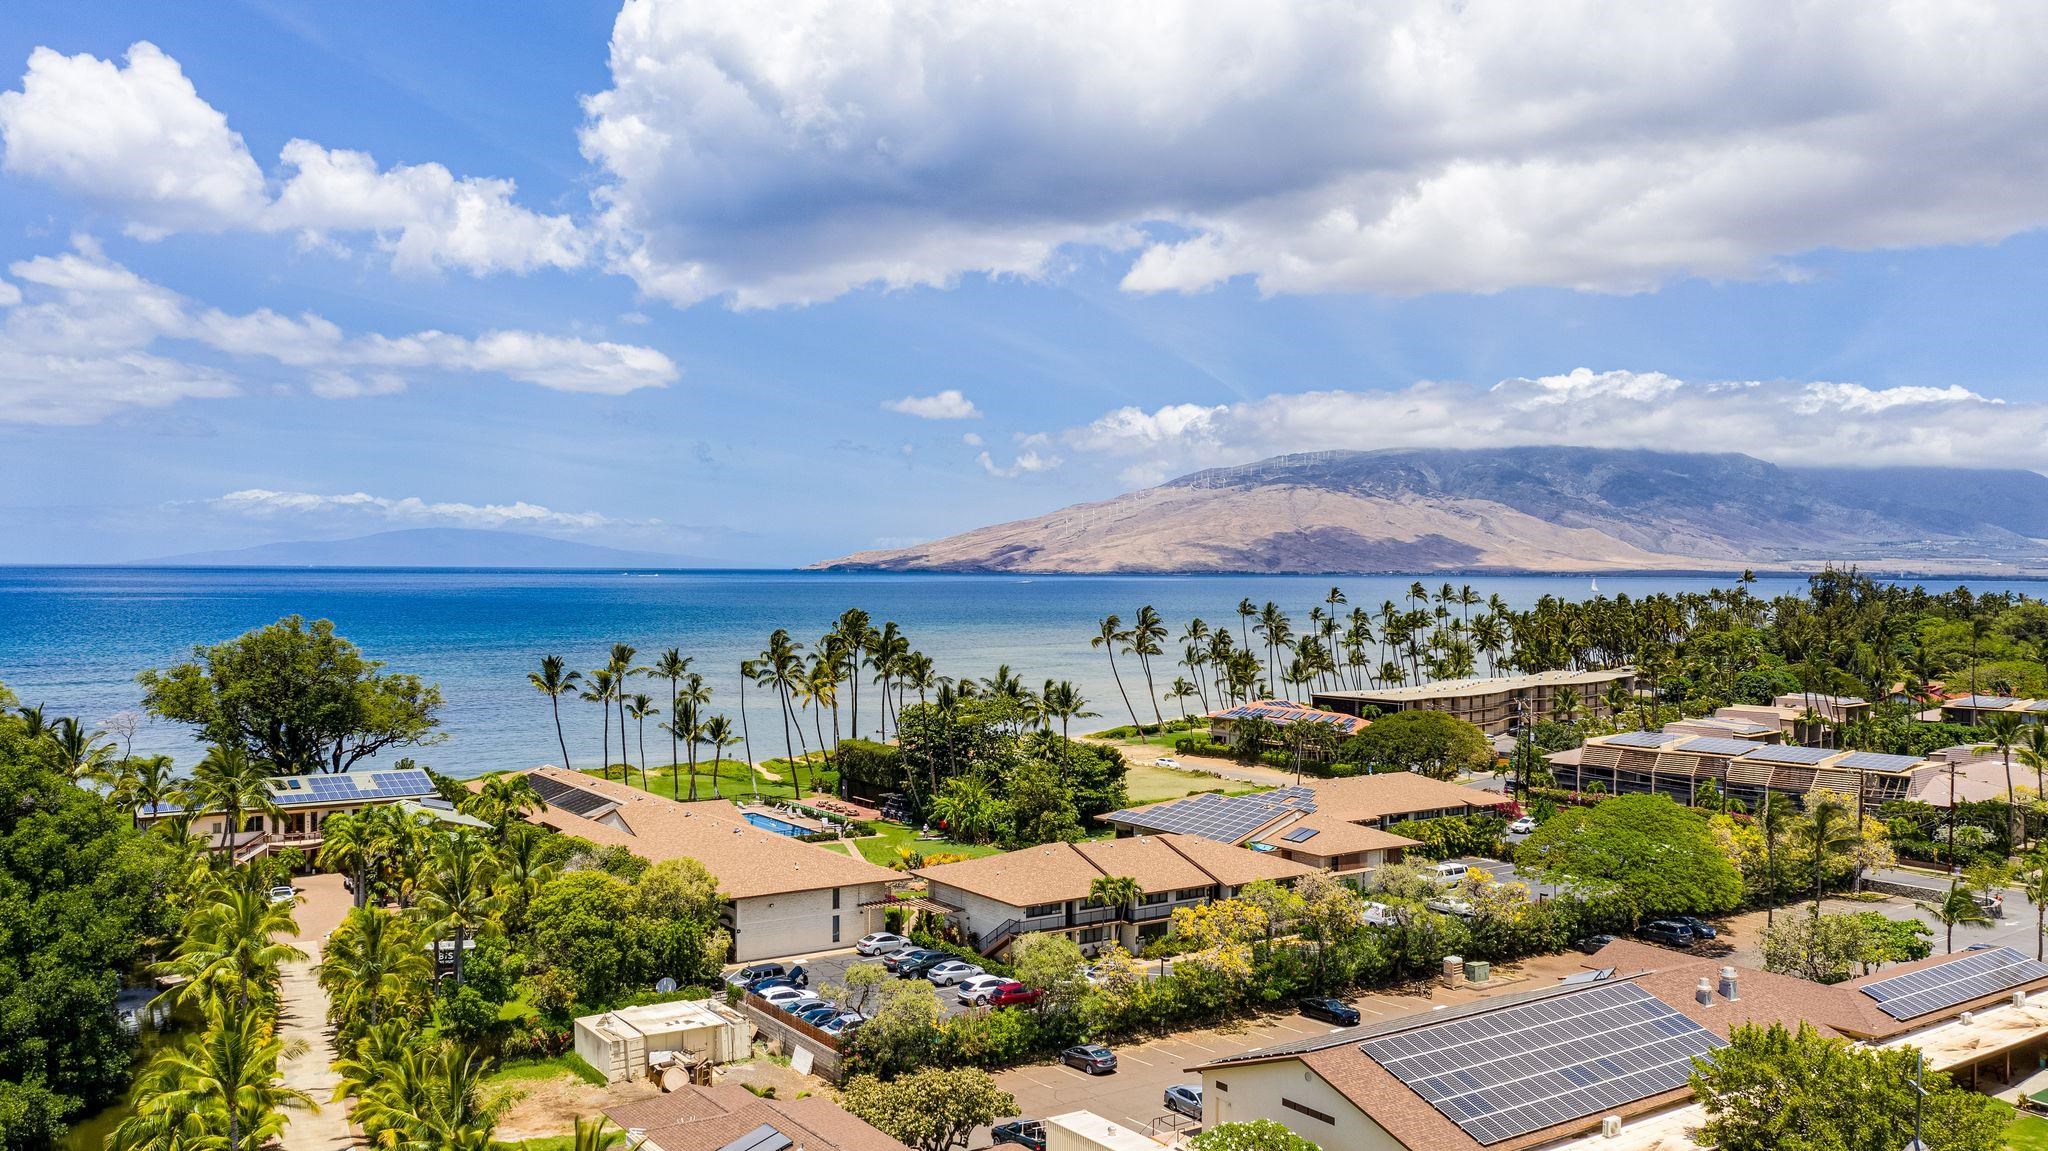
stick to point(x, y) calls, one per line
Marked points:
point(433, 547)
point(1539, 509)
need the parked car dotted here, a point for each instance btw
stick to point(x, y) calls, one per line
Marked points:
point(1014, 994)
point(842, 1023)
point(917, 965)
point(802, 1004)
point(1522, 826)
point(817, 1015)
point(1330, 1011)
point(1448, 873)
point(952, 971)
point(1092, 975)
point(1668, 933)
point(769, 983)
point(1377, 915)
point(896, 959)
point(283, 893)
point(1090, 1058)
point(758, 971)
point(777, 996)
point(976, 989)
point(1592, 943)
point(1026, 1133)
point(1701, 929)
point(881, 943)
point(1185, 1098)
point(1446, 905)
point(1166, 761)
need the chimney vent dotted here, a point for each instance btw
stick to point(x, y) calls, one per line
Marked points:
point(1728, 985)
point(1705, 993)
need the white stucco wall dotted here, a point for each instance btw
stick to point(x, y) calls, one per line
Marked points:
point(798, 923)
point(1257, 1089)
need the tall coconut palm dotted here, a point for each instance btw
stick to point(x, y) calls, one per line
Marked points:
point(1772, 814)
point(1180, 689)
point(2033, 880)
point(501, 800)
point(456, 896)
point(1194, 640)
point(1830, 830)
point(2002, 734)
point(424, 1097)
point(1958, 906)
point(1245, 611)
point(348, 845)
point(778, 668)
point(373, 967)
point(554, 682)
point(854, 627)
point(1065, 702)
point(1274, 628)
point(1147, 634)
point(716, 734)
point(1108, 634)
point(146, 785)
point(747, 671)
point(2033, 752)
point(232, 782)
point(232, 948)
point(523, 868)
point(82, 752)
point(639, 706)
point(603, 685)
point(623, 670)
point(672, 666)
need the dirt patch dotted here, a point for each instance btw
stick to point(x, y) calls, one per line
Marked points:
point(540, 1108)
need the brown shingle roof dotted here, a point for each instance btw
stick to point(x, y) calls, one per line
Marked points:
point(1358, 798)
point(746, 860)
point(708, 1118)
point(1056, 872)
point(1234, 866)
point(1333, 837)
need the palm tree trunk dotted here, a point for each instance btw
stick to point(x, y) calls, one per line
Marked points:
point(555, 701)
point(788, 745)
point(1120, 688)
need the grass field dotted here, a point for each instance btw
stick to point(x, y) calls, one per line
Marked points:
point(882, 848)
point(1164, 739)
point(735, 780)
point(529, 1070)
point(1149, 784)
point(2027, 1133)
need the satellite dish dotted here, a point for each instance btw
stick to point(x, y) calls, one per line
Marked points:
point(666, 985)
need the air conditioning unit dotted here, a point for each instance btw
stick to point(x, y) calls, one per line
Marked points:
point(2019, 999)
point(1968, 1016)
point(1610, 1126)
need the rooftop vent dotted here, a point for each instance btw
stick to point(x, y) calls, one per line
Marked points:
point(1728, 985)
point(1704, 992)
point(1610, 1127)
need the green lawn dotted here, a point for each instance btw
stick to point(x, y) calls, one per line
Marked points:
point(1163, 739)
point(1149, 784)
point(2027, 1133)
point(735, 780)
point(882, 848)
point(531, 1070)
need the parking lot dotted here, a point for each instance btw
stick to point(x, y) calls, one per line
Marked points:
point(826, 968)
point(1133, 1094)
point(1504, 872)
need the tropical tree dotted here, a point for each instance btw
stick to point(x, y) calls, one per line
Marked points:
point(1114, 890)
point(779, 668)
point(930, 1110)
point(2033, 880)
point(715, 733)
point(456, 896)
point(501, 800)
point(1181, 690)
point(233, 946)
point(595, 1135)
point(219, 1090)
point(639, 706)
point(374, 967)
point(554, 682)
point(228, 780)
point(1773, 814)
point(1108, 634)
point(672, 666)
point(145, 785)
point(1146, 637)
point(421, 1097)
point(602, 686)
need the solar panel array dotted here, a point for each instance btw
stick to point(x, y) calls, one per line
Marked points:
point(1972, 975)
point(1301, 834)
point(2038, 705)
point(1226, 819)
point(1714, 745)
point(1641, 739)
point(1504, 1073)
point(574, 800)
point(1791, 753)
point(1877, 761)
point(1983, 701)
point(350, 787)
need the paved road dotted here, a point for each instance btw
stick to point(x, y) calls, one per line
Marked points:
point(303, 1024)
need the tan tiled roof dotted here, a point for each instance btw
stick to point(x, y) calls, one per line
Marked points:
point(1333, 837)
point(708, 1118)
point(1056, 872)
point(746, 860)
point(1358, 798)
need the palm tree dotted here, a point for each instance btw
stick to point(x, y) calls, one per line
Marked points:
point(230, 781)
point(231, 951)
point(640, 706)
point(1274, 630)
point(1772, 813)
point(553, 682)
point(1147, 632)
point(82, 753)
point(219, 1090)
point(2002, 732)
point(422, 1097)
point(1830, 830)
point(672, 666)
point(1245, 612)
point(623, 669)
point(523, 868)
point(348, 844)
point(1958, 906)
point(2033, 752)
point(968, 808)
point(716, 734)
point(2033, 880)
point(1118, 891)
point(1181, 689)
point(500, 800)
point(372, 968)
point(595, 1135)
point(746, 733)
point(457, 893)
point(1109, 633)
point(603, 686)
point(146, 785)
point(779, 667)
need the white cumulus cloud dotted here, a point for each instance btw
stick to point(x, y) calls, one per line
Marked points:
point(1027, 462)
point(143, 142)
point(89, 338)
point(1786, 422)
point(946, 405)
point(263, 503)
point(791, 150)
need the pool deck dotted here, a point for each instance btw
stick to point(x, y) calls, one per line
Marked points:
point(789, 817)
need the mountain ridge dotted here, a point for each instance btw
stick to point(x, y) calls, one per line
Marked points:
point(1520, 509)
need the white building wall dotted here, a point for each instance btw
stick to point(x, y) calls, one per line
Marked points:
point(800, 922)
point(1251, 1091)
point(979, 913)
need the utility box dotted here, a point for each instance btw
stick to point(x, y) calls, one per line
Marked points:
point(1477, 970)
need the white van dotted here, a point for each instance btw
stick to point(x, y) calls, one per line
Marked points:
point(1446, 874)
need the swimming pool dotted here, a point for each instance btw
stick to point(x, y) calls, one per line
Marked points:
point(770, 823)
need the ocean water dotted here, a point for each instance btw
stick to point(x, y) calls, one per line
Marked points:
point(73, 639)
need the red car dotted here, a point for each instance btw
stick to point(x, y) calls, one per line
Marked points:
point(1014, 995)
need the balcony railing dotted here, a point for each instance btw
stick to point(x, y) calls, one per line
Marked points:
point(1149, 911)
point(1087, 915)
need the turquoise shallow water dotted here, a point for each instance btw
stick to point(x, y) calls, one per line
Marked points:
point(73, 638)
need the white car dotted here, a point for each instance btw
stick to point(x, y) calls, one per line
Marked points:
point(1522, 826)
point(975, 989)
point(1166, 761)
point(283, 893)
point(1449, 906)
point(952, 971)
point(880, 943)
point(1377, 915)
point(777, 996)
point(1092, 976)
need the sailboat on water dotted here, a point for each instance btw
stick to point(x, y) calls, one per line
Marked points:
point(1596, 585)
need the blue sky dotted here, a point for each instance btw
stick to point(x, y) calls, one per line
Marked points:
point(262, 277)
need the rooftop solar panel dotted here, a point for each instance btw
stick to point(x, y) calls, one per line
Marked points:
point(1972, 975)
point(1301, 835)
point(2038, 705)
point(1227, 819)
point(1876, 761)
point(1714, 745)
point(1790, 753)
point(1504, 1073)
point(1983, 701)
point(574, 800)
point(1640, 739)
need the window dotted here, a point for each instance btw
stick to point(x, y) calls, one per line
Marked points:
point(1187, 893)
point(1093, 935)
point(835, 923)
point(1220, 1085)
point(1154, 899)
point(1040, 910)
point(835, 901)
point(1311, 1112)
